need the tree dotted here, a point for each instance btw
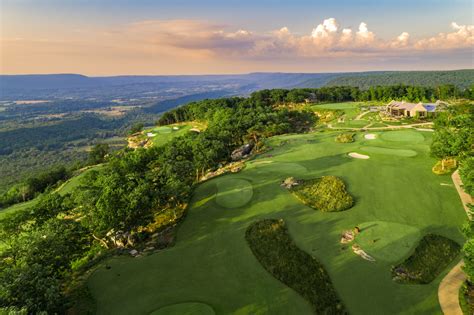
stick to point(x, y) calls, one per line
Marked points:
point(137, 127)
point(98, 153)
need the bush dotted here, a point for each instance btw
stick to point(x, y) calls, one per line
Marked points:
point(327, 194)
point(432, 255)
point(277, 253)
point(445, 166)
point(345, 138)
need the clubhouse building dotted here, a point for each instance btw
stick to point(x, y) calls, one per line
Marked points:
point(397, 109)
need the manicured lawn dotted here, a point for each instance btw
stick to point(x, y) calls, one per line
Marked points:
point(397, 201)
point(388, 151)
point(189, 308)
point(409, 136)
point(234, 192)
point(163, 134)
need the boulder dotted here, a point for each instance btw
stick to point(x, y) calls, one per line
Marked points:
point(241, 152)
point(133, 252)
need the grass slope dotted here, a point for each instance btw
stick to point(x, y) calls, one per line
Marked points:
point(275, 250)
point(212, 263)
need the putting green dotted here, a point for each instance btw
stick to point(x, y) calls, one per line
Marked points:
point(233, 192)
point(163, 129)
point(190, 308)
point(403, 136)
point(387, 151)
point(387, 241)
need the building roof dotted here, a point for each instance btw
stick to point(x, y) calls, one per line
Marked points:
point(430, 107)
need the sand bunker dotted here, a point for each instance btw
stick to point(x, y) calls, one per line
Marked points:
point(369, 136)
point(359, 251)
point(358, 156)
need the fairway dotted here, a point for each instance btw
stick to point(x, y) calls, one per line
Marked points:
point(190, 308)
point(397, 201)
point(233, 192)
point(403, 136)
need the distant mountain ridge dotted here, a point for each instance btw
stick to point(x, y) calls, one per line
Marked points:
point(459, 78)
point(39, 86)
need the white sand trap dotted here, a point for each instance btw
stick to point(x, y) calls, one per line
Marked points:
point(358, 156)
point(370, 136)
point(150, 134)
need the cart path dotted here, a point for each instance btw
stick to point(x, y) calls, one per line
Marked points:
point(448, 291)
point(465, 197)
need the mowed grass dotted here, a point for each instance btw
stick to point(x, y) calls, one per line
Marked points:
point(211, 262)
point(388, 151)
point(233, 192)
point(190, 308)
point(163, 134)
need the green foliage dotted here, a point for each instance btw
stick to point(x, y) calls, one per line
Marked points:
point(466, 170)
point(453, 135)
point(33, 267)
point(137, 127)
point(345, 137)
point(326, 194)
point(273, 247)
point(34, 185)
point(459, 78)
point(468, 250)
point(98, 153)
point(432, 255)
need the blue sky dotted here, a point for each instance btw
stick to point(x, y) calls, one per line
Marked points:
point(66, 20)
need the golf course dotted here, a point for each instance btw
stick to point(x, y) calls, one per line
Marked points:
point(211, 268)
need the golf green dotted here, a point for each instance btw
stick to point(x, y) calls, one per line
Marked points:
point(233, 192)
point(403, 136)
point(163, 129)
point(395, 201)
point(387, 241)
point(388, 151)
point(189, 308)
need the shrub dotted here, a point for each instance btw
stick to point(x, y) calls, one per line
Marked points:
point(345, 138)
point(432, 255)
point(327, 193)
point(445, 166)
point(277, 253)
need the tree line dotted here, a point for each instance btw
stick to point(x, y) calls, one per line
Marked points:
point(454, 138)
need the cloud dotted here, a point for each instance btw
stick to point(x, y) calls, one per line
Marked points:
point(327, 39)
point(203, 45)
point(461, 37)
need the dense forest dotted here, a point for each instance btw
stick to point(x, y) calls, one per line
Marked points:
point(460, 78)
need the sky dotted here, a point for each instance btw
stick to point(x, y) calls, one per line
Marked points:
point(113, 37)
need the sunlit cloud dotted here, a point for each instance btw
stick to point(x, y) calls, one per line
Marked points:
point(201, 45)
point(328, 37)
